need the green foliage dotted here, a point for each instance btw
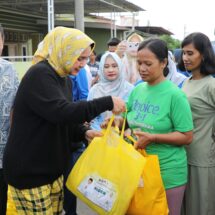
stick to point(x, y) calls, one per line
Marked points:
point(171, 42)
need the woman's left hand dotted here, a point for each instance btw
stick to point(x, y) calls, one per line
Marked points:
point(143, 139)
point(90, 134)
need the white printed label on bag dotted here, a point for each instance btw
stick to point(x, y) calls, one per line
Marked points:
point(99, 190)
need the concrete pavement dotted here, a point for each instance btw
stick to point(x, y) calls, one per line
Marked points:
point(83, 209)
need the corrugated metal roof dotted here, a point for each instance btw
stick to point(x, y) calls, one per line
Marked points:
point(39, 7)
point(153, 30)
point(28, 15)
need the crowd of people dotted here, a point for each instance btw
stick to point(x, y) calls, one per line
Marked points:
point(49, 118)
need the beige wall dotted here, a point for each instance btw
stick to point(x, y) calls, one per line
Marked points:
point(22, 67)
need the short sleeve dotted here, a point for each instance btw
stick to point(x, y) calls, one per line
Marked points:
point(181, 113)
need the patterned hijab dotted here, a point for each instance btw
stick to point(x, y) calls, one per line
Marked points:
point(61, 48)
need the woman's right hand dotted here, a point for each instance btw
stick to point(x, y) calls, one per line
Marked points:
point(118, 105)
point(143, 139)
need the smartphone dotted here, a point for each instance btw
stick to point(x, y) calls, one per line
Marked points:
point(132, 46)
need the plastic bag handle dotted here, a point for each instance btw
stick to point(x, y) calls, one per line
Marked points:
point(131, 138)
point(109, 125)
point(111, 122)
point(123, 126)
point(142, 151)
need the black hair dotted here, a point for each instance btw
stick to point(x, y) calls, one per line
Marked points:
point(98, 57)
point(113, 41)
point(202, 43)
point(177, 54)
point(2, 32)
point(159, 48)
point(92, 45)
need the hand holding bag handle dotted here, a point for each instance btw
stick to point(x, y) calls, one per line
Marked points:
point(111, 120)
point(113, 164)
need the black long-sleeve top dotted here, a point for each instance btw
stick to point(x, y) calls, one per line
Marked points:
point(45, 122)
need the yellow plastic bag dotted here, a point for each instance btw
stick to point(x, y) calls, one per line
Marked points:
point(107, 174)
point(150, 196)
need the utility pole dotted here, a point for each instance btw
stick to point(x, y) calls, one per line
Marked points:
point(50, 15)
point(111, 25)
point(185, 30)
point(114, 23)
point(133, 21)
point(79, 14)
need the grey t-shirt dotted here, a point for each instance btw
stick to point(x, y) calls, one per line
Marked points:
point(201, 96)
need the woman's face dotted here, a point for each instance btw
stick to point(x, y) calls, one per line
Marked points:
point(149, 67)
point(191, 57)
point(81, 61)
point(111, 69)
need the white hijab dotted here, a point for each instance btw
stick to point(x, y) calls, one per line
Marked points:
point(173, 75)
point(118, 87)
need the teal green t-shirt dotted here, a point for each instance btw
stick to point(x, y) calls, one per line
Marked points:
point(162, 109)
